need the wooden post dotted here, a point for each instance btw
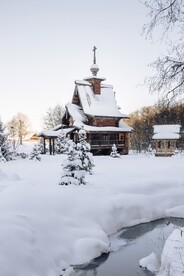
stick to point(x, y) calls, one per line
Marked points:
point(50, 146)
point(44, 146)
point(53, 150)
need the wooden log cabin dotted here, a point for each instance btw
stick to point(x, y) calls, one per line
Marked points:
point(94, 108)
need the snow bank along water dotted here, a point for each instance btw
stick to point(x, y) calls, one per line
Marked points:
point(171, 261)
point(46, 228)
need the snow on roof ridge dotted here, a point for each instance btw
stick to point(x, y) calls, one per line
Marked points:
point(82, 82)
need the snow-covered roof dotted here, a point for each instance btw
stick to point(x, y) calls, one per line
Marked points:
point(76, 112)
point(166, 132)
point(166, 135)
point(166, 128)
point(59, 127)
point(123, 128)
point(98, 105)
point(55, 133)
point(122, 124)
point(79, 120)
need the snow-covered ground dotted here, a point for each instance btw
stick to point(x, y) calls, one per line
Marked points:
point(46, 228)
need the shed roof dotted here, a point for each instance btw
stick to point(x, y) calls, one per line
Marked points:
point(166, 132)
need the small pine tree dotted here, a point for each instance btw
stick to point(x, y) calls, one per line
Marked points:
point(114, 152)
point(61, 144)
point(68, 144)
point(5, 146)
point(37, 150)
point(72, 168)
point(85, 155)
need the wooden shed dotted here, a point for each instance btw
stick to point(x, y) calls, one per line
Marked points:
point(166, 138)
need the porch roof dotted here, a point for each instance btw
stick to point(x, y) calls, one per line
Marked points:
point(79, 120)
point(122, 128)
point(55, 133)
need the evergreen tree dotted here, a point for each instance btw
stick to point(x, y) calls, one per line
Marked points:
point(73, 172)
point(2, 157)
point(37, 150)
point(85, 155)
point(5, 147)
point(61, 145)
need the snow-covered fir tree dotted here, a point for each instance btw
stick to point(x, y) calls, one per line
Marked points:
point(5, 146)
point(73, 172)
point(83, 149)
point(37, 151)
point(114, 153)
point(61, 145)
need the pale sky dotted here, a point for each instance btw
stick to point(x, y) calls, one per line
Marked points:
point(45, 45)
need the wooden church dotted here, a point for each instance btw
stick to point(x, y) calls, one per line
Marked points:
point(94, 108)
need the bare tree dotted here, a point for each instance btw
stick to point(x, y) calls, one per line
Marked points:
point(19, 126)
point(142, 122)
point(53, 117)
point(167, 16)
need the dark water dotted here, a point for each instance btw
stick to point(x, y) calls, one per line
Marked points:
point(139, 242)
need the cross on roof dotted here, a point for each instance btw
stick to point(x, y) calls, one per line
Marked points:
point(94, 50)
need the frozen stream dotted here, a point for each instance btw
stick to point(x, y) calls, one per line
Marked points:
point(130, 245)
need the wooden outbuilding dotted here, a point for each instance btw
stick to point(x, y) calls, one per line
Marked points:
point(166, 138)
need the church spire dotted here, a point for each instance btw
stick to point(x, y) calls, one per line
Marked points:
point(94, 68)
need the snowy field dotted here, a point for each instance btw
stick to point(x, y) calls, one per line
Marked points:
point(45, 228)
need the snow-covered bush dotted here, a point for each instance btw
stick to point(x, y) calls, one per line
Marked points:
point(150, 152)
point(84, 153)
point(176, 153)
point(114, 152)
point(73, 172)
point(36, 152)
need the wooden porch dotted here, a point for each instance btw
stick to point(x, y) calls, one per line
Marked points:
point(103, 142)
